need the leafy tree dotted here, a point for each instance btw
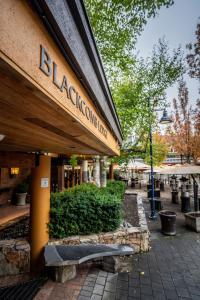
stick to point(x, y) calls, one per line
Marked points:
point(196, 136)
point(193, 58)
point(117, 24)
point(160, 150)
point(185, 131)
point(149, 79)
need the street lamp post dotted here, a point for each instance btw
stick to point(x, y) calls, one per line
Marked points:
point(164, 120)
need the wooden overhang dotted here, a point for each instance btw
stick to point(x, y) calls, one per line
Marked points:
point(44, 105)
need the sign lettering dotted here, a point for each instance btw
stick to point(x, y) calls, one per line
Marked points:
point(49, 67)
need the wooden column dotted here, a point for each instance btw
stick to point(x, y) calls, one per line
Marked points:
point(40, 207)
point(61, 178)
point(111, 171)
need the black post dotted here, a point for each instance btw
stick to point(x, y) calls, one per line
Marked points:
point(152, 201)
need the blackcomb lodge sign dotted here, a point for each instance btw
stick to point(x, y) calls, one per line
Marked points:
point(49, 68)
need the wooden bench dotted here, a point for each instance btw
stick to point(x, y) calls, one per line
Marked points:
point(62, 260)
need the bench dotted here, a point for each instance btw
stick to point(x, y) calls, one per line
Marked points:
point(61, 260)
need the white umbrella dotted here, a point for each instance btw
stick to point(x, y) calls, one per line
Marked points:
point(135, 165)
point(181, 170)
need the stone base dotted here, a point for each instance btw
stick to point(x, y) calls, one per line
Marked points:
point(63, 273)
point(14, 257)
point(192, 220)
point(118, 264)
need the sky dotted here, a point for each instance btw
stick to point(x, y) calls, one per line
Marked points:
point(177, 24)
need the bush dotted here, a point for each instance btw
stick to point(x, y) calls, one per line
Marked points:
point(86, 209)
point(116, 188)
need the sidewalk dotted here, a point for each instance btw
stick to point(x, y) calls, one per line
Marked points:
point(169, 271)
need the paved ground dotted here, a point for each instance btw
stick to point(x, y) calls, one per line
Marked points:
point(169, 271)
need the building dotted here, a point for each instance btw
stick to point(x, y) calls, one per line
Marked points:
point(54, 101)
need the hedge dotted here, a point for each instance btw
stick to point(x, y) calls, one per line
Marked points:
point(86, 209)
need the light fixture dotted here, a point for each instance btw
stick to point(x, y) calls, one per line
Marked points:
point(2, 136)
point(14, 171)
point(165, 118)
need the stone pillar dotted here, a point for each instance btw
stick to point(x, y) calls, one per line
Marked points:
point(103, 178)
point(85, 170)
point(61, 178)
point(96, 171)
point(39, 212)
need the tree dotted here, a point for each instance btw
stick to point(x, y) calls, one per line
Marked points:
point(149, 78)
point(116, 26)
point(160, 150)
point(193, 58)
point(184, 135)
point(185, 132)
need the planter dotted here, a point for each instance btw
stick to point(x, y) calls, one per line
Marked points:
point(192, 220)
point(168, 222)
point(21, 199)
point(162, 186)
point(185, 203)
point(175, 197)
point(157, 184)
point(156, 193)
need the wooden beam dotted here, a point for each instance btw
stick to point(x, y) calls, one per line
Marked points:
point(17, 159)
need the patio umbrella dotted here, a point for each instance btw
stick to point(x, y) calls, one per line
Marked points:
point(181, 170)
point(133, 165)
point(136, 165)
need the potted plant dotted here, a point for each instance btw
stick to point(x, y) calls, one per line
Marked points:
point(21, 193)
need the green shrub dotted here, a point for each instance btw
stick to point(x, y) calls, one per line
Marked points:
point(86, 209)
point(116, 188)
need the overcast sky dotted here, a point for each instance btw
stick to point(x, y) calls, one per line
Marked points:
point(178, 24)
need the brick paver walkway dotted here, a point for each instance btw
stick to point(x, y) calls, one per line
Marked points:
point(171, 270)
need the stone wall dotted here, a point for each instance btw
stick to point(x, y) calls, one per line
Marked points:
point(138, 237)
point(15, 254)
point(14, 257)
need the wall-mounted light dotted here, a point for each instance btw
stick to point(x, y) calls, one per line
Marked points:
point(14, 171)
point(2, 136)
